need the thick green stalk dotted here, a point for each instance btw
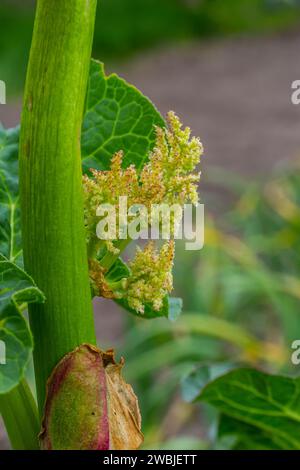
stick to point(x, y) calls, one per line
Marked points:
point(20, 416)
point(50, 179)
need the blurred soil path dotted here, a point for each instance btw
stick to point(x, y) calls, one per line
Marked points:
point(235, 94)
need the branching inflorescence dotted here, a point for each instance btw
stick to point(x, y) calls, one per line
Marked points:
point(168, 177)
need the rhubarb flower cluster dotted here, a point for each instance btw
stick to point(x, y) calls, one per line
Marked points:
point(151, 277)
point(106, 187)
point(169, 177)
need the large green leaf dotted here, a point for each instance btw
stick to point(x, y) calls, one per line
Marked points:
point(17, 289)
point(200, 376)
point(10, 231)
point(236, 435)
point(118, 117)
point(270, 404)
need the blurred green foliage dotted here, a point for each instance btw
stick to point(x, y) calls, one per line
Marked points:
point(241, 306)
point(124, 27)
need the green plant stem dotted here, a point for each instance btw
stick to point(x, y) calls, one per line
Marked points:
point(20, 416)
point(51, 181)
point(110, 258)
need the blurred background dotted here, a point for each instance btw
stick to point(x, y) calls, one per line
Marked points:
point(226, 68)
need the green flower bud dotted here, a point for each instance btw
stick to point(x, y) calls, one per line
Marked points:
point(89, 406)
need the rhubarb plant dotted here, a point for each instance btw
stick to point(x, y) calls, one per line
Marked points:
point(85, 139)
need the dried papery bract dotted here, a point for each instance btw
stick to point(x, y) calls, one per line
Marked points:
point(89, 406)
point(123, 409)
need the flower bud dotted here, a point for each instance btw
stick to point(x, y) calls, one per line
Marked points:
point(89, 406)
